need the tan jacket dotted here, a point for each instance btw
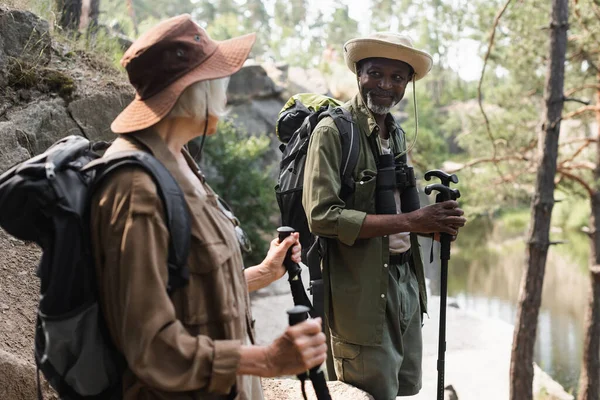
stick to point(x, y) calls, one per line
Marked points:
point(186, 346)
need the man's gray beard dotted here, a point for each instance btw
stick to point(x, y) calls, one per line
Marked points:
point(377, 109)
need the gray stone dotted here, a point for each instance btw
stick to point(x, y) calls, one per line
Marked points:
point(307, 81)
point(95, 113)
point(450, 393)
point(256, 116)
point(251, 82)
point(31, 130)
point(25, 36)
point(278, 72)
point(11, 151)
point(42, 123)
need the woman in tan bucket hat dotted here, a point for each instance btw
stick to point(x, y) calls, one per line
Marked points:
point(197, 342)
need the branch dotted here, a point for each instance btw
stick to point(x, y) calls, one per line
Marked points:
point(513, 177)
point(582, 23)
point(580, 111)
point(586, 102)
point(577, 179)
point(580, 88)
point(577, 140)
point(472, 163)
point(577, 152)
point(596, 10)
point(485, 61)
point(579, 166)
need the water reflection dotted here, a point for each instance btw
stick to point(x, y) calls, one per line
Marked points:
point(486, 266)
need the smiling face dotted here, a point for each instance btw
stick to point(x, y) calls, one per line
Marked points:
point(382, 82)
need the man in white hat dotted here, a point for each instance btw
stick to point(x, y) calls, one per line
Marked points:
point(373, 274)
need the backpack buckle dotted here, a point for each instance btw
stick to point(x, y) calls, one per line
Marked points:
point(50, 170)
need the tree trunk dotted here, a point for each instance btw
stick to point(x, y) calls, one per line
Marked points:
point(88, 20)
point(589, 381)
point(70, 14)
point(94, 14)
point(521, 365)
point(131, 11)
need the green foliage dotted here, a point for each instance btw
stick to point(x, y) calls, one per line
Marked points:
point(341, 28)
point(571, 214)
point(381, 15)
point(225, 26)
point(236, 169)
point(514, 222)
point(431, 148)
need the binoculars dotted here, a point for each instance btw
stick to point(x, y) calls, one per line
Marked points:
point(394, 173)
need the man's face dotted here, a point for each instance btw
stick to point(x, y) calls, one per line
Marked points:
point(383, 82)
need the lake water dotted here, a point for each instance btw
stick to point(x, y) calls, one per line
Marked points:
point(485, 271)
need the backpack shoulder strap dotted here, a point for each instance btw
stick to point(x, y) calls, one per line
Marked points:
point(349, 135)
point(176, 209)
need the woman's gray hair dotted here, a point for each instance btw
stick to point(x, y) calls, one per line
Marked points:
point(192, 102)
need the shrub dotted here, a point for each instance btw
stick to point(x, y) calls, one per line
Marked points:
point(236, 167)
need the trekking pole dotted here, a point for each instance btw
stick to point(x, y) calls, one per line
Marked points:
point(294, 270)
point(317, 377)
point(445, 193)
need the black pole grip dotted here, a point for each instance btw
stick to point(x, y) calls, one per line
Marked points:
point(444, 177)
point(445, 193)
point(285, 231)
point(291, 267)
point(297, 314)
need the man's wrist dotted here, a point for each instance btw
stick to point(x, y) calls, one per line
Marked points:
point(409, 222)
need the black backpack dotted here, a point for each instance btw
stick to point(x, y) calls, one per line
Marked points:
point(295, 124)
point(46, 199)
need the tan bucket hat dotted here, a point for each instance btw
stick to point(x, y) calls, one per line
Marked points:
point(167, 59)
point(387, 45)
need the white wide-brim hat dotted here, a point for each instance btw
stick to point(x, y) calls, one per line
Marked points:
point(387, 45)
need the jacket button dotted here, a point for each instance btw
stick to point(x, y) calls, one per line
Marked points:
point(385, 266)
point(383, 296)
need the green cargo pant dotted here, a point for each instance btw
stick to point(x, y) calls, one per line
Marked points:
point(394, 367)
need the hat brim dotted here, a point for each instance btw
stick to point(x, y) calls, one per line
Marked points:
point(359, 49)
point(227, 59)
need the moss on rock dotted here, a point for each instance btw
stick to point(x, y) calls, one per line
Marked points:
point(24, 75)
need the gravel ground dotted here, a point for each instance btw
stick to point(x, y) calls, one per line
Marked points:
point(477, 355)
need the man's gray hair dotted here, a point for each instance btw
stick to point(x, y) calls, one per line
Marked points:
point(192, 102)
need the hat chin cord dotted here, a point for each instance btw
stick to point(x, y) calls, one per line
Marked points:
point(414, 141)
point(198, 155)
point(412, 144)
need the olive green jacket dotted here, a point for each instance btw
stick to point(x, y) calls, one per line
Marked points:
point(355, 271)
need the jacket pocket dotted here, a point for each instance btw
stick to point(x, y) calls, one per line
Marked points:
point(347, 365)
point(364, 191)
point(209, 296)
